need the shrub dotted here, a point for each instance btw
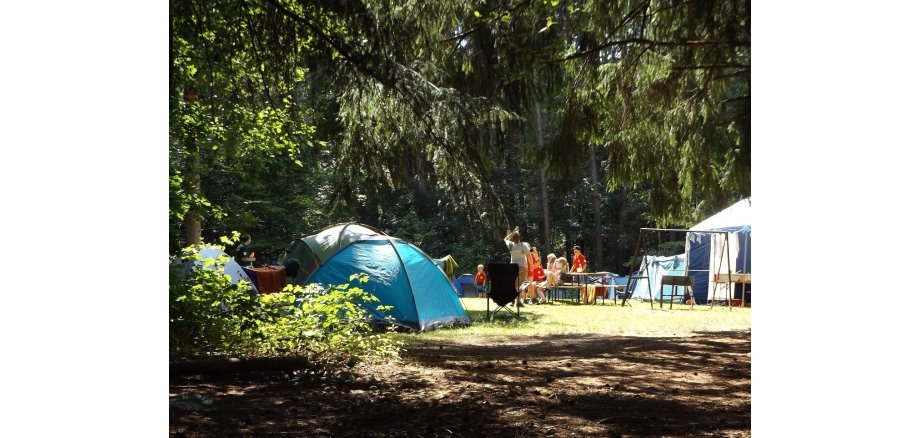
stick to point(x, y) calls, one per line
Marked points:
point(328, 325)
point(209, 316)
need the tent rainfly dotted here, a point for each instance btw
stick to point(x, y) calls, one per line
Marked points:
point(312, 251)
point(400, 275)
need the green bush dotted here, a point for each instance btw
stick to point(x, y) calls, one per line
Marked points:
point(207, 314)
point(210, 317)
point(329, 325)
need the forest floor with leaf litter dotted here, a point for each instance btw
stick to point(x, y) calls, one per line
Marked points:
point(563, 385)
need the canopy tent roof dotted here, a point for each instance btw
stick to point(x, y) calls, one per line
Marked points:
point(735, 218)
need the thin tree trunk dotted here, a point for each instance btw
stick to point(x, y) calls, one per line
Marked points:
point(192, 226)
point(596, 203)
point(619, 235)
point(192, 221)
point(544, 191)
point(424, 205)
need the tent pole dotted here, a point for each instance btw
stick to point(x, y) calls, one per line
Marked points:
point(747, 242)
point(687, 266)
point(728, 256)
point(715, 287)
point(648, 278)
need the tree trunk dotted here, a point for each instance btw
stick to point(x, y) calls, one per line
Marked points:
point(596, 204)
point(192, 222)
point(192, 225)
point(544, 191)
point(424, 205)
point(619, 234)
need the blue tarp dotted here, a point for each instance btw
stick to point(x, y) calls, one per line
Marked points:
point(654, 268)
point(400, 275)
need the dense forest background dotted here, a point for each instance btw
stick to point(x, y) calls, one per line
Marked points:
point(447, 123)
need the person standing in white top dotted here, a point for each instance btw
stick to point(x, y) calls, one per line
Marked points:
point(520, 251)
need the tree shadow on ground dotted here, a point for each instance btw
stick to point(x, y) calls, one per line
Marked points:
point(564, 385)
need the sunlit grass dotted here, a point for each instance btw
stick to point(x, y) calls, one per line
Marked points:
point(564, 318)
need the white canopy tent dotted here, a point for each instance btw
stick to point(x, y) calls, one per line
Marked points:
point(706, 251)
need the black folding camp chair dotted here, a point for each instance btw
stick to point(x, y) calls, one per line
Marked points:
point(503, 293)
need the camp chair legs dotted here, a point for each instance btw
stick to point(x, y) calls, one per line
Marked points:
point(491, 313)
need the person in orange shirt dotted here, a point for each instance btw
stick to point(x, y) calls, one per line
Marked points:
point(579, 264)
point(537, 274)
point(481, 280)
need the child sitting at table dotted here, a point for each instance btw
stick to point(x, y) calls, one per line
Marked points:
point(536, 274)
point(553, 276)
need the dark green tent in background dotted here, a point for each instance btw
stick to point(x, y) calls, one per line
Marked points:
point(312, 251)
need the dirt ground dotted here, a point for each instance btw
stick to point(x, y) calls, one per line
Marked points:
point(562, 386)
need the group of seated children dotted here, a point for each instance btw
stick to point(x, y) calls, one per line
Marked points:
point(533, 291)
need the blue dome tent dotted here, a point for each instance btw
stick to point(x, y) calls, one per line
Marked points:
point(400, 275)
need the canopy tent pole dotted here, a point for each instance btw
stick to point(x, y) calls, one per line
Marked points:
point(715, 288)
point(687, 268)
point(728, 255)
point(744, 268)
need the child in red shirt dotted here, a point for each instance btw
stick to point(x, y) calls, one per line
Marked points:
point(535, 294)
point(480, 279)
point(579, 264)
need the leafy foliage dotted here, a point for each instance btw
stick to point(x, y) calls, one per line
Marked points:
point(209, 316)
point(428, 114)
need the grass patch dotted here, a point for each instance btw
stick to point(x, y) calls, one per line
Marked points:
point(564, 318)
